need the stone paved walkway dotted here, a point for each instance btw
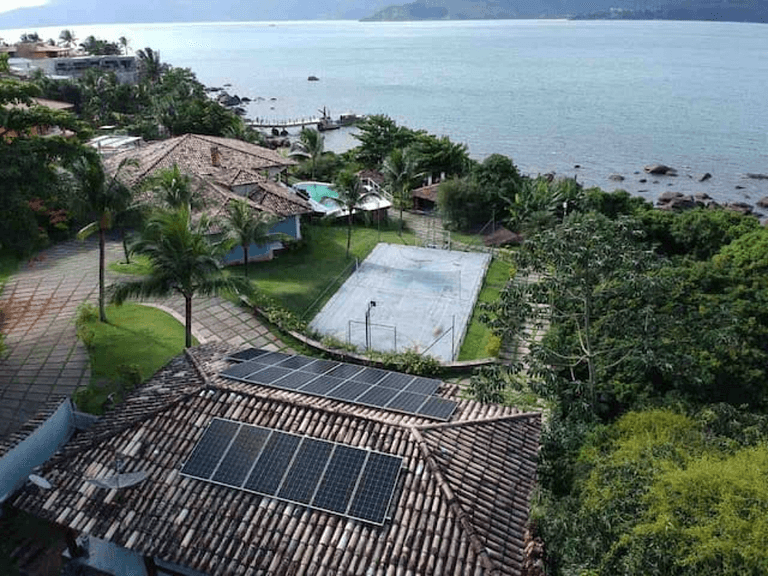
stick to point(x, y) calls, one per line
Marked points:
point(44, 357)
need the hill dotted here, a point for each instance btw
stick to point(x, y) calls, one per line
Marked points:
point(725, 10)
point(73, 12)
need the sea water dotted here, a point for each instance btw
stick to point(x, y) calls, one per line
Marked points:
point(607, 96)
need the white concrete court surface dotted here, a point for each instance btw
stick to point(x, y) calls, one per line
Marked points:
point(420, 294)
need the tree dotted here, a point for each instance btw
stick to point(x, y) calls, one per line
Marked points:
point(104, 199)
point(605, 325)
point(185, 259)
point(30, 164)
point(97, 47)
point(400, 173)
point(440, 157)
point(150, 66)
point(67, 38)
point(378, 136)
point(350, 190)
point(174, 189)
point(124, 43)
point(313, 143)
point(246, 227)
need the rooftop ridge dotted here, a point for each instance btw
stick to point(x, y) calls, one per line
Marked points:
point(490, 420)
point(454, 504)
point(171, 148)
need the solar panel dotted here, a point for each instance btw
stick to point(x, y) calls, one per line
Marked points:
point(407, 402)
point(270, 467)
point(268, 375)
point(378, 396)
point(340, 478)
point(424, 385)
point(241, 455)
point(273, 357)
point(371, 375)
point(206, 455)
point(324, 475)
point(296, 362)
point(247, 354)
point(320, 366)
point(321, 386)
point(239, 371)
point(372, 499)
point(349, 390)
point(345, 371)
point(396, 380)
point(308, 466)
point(342, 381)
point(295, 380)
point(436, 407)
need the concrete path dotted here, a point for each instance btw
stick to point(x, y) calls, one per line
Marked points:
point(44, 357)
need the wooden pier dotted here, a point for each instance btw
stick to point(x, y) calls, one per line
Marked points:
point(294, 123)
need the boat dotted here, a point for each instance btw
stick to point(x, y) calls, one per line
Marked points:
point(328, 123)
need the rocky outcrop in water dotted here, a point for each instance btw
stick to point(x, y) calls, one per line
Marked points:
point(660, 170)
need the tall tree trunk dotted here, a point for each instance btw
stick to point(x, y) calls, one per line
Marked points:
point(102, 261)
point(349, 230)
point(188, 318)
point(245, 259)
point(125, 246)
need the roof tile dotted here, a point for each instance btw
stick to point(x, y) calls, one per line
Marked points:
point(461, 502)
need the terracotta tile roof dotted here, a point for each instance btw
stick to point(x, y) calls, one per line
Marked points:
point(460, 506)
point(427, 192)
point(238, 163)
point(502, 236)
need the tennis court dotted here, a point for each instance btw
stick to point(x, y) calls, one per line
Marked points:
point(423, 300)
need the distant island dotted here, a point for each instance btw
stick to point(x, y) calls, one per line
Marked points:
point(716, 10)
point(77, 12)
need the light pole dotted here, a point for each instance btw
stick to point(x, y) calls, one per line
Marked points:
point(371, 304)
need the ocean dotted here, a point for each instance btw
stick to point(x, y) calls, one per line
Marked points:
point(608, 96)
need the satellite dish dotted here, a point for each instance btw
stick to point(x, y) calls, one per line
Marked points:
point(118, 481)
point(40, 482)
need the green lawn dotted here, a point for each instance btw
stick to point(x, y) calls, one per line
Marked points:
point(9, 263)
point(139, 266)
point(139, 340)
point(478, 334)
point(299, 279)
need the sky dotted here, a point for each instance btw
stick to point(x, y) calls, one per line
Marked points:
point(8, 5)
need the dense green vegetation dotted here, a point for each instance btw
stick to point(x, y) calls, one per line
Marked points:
point(137, 341)
point(649, 343)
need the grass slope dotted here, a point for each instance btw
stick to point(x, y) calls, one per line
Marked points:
point(136, 336)
point(478, 335)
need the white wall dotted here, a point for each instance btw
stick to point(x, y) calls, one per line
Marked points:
point(35, 449)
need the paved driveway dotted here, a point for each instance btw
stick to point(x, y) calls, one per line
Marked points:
point(39, 304)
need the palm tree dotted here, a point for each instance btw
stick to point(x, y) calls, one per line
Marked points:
point(246, 227)
point(314, 144)
point(400, 172)
point(184, 259)
point(150, 65)
point(104, 199)
point(350, 190)
point(174, 188)
point(67, 38)
point(123, 41)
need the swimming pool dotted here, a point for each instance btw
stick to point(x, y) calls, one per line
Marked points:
point(317, 190)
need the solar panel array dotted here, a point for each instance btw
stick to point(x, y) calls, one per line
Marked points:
point(341, 381)
point(323, 475)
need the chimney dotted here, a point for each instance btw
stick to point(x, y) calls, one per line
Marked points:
point(215, 156)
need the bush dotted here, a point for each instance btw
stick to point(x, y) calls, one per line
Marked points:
point(86, 315)
point(409, 361)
